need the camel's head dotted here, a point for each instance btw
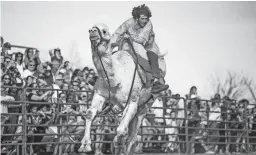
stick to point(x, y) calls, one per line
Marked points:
point(99, 33)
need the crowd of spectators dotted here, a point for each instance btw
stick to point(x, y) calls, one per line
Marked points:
point(219, 125)
point(54, 88)
point(26, 78)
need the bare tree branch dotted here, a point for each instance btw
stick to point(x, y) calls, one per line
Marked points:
point(248, 83)
point(233, 85)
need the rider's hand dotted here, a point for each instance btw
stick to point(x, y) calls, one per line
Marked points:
point(126, 36)
point(155, 80)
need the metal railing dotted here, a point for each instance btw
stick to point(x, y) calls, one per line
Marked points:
point(186, 138)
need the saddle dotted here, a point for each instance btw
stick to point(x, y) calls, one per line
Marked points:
point(144, 68)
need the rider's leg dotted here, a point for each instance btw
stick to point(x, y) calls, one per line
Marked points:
point(151, 52)
point(158, 86)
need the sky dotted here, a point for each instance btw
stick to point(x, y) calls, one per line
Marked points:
point(203, 39)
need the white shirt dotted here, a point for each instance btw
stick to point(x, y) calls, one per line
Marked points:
point(4, 106)
point(214, 115)
point(27, 73)
point(20, 69)
point(158, 112)
point(56, 93)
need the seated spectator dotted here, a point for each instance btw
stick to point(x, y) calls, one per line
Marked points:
point(6, 80)
point(35, 119)
point(29, 80)
point(5, 101)
point(34, 96)
point(49, 119)
point(31, 69)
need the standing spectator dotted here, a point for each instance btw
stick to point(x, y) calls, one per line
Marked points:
point(223, 124)
point(49, 78)
point(19, 63)
point(213, 124)
point(31, 54)
point(243, 124)
point(252, 135)
point(86, 72)
point(56, 60)
point(232, 117)
point(57, 85)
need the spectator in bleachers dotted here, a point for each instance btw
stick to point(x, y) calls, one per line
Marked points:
point(232, 117)
point(6, 79)
point(213, 124)
point(19, 63)
point(35, 119)
point(252, 135)
point(242, 126)
point(5, 104)
point(56, 59)
point(31, 55)
point(31, 69)
point(49, 78)
point(86, 72)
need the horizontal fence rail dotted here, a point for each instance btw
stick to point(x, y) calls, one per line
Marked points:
point(181, 130)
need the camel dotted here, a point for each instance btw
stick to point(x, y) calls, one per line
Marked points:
point(133, 110)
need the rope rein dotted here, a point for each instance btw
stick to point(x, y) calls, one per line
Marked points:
point(134, 75)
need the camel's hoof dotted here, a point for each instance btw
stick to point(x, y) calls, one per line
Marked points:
point(119, 144)
point(87, 148)
point(99, 153)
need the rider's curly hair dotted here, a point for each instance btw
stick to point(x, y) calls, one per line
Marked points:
point(139, 10)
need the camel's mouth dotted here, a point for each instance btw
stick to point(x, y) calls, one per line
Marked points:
point(94, 37)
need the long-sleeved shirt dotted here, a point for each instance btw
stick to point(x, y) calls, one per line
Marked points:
point(131, 27)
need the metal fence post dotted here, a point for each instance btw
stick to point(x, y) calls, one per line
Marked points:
point(24, 120)
point(186, 123)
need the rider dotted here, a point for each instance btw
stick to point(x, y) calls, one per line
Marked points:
point(140, 30)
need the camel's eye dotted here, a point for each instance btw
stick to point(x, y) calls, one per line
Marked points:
point(104, 32)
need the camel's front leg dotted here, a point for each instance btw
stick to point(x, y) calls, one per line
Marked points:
point(122, 130)
point(96, 107)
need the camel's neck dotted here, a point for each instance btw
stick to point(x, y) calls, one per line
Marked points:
point(102, 58)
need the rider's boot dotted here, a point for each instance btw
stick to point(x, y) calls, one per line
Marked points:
point(159, 85)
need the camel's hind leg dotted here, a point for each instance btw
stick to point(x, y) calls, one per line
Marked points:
point(133, 132)
point(96, 107)
point(134, 128)
point(122, 130)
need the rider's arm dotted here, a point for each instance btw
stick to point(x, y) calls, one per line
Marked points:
point(121, 30)
point(144, 35)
